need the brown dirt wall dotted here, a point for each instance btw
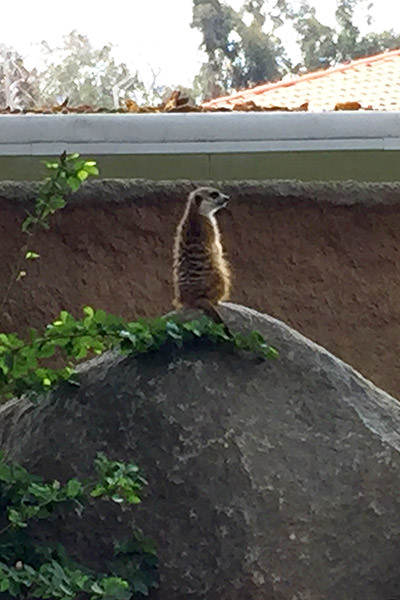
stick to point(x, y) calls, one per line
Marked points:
point(329, 269)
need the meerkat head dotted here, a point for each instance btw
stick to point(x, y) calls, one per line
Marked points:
point(208, 200)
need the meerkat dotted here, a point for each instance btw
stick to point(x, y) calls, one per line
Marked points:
point(201, 275)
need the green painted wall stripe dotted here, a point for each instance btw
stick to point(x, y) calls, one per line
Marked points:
point(364, 165)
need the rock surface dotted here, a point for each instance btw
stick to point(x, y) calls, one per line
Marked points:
point(268, 481)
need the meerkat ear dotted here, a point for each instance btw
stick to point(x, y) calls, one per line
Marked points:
point(198, 199)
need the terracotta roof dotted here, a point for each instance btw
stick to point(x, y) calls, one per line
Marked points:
point(370, 83)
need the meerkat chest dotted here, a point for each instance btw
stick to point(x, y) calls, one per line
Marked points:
point(215, 235)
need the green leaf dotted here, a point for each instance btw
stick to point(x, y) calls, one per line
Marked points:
point(173, 330)
point(72, 157)
point(73, 488)
point(45, 349)
point(66, 590)
point(272, 352)
point(115, 588)
point(74, 183)
point(193, 327)
point(31, 255)
point(28, 222)
point(116, 498)
point(88, 311)
point(141, 588)
point(64, 316)
point(56, 203)
point(98, 491)
point(82, 175)
point(90, 167)
point(96, 588)
point(15, 518)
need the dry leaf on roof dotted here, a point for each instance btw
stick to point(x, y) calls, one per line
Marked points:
point(347, 106)
point(83, 108)
point(251, 106)
point(186, 108)
point(60, 107)
point(178, 103)
point(172, 101)
point(149, 109)
point(277, 108)
point(181, 100)
point(216, 109)
point(131, 106)
point(302, 107)
point(248, 105)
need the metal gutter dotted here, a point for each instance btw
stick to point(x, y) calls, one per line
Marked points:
point(197, 133)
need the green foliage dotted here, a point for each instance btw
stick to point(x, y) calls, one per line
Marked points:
point(240, 51)
point(316, 40)
point(119, 481)
point(85, 74)
point(23, 362)
point(28, 569)
point(66, 176)
point(322, 45)
point(243, 46)
point(19, 87)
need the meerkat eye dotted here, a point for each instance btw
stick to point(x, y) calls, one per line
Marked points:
point(198, 199)
point(214, 195)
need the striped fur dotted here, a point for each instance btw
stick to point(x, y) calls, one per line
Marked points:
point(201, 275)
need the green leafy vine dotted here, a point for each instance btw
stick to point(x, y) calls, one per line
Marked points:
point(30, 570)
point(66, 176)
point(23, 362)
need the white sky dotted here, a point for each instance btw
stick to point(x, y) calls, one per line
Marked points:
point(146, 33)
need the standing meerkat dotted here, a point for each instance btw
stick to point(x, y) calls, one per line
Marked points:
point(201, 275)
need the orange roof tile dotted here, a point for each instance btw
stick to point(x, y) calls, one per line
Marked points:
point(372, 82)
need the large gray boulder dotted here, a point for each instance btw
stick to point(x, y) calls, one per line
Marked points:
point(274, 480)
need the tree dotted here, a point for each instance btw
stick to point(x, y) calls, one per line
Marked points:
point(85, 75)
point(316, 40)
point(240, 51)
point(243, 47)
point(261, 55)
point(216, 22)
point(374, 43)
point(18, 86)
point(324, 46)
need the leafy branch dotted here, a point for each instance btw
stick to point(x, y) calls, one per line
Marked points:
point(28, 569)
point(66, 176)
point(23, 363)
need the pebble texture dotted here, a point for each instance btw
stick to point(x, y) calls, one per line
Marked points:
point(273, 480)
